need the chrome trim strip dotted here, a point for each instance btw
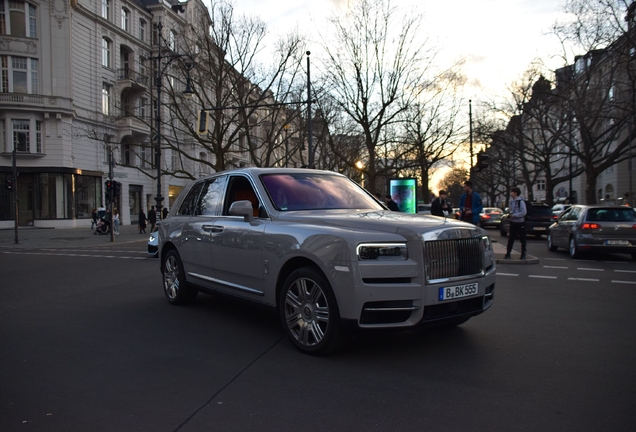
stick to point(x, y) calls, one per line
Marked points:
point(410, 308)
point(227, 284)
point(341, 268)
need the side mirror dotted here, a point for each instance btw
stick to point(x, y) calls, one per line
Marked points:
point(242, 208)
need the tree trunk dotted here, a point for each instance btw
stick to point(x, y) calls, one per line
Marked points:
point(590, 186)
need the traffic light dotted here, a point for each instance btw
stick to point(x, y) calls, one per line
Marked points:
point(116, 188)
point(482, 161)
point(8, 184)
point(202, 122)
point(108, 185)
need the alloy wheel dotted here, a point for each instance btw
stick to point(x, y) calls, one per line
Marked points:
point(171, 277)
point(306, 312)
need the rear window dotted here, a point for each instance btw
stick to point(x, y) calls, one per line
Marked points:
point(539, 210)
point(611, 215)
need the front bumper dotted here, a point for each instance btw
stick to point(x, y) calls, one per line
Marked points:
point(402, 302)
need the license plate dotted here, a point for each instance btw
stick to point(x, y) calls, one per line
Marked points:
point(448, 293)
point(539, 228)
point(617, 242)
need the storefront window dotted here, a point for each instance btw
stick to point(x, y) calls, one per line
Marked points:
point(87, 195)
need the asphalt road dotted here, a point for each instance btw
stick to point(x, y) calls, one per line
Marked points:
point(89, 343)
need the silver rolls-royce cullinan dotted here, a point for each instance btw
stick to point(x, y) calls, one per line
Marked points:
point(324, 252)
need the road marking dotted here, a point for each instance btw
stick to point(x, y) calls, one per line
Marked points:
point(554, 259)
point(556, 267)
point(624, 282)
point(625, 271)
point(542, 277)
point(589, 269)
point(583, 279)
point(96, 250)
point(507, 274)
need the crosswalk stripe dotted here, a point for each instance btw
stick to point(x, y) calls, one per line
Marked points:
point(624, 282)
point(542, 277)
point(583, 279)
point(507, 274)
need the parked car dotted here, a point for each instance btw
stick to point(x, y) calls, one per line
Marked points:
point(324, 253)
point(557, 209)
point(490, 216)
point(153, 244)
point(539, 217)
point(424, 209)
point(601, 228)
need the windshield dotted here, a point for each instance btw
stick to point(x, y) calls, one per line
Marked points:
point(309, 191)
point(611, 215)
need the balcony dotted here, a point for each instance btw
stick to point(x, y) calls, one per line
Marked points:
point(32, 102)
point(135, 81)
point(132, 126)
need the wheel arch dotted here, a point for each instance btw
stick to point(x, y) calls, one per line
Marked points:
point(292, 265)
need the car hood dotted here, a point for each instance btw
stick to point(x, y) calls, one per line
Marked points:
point(382, 221)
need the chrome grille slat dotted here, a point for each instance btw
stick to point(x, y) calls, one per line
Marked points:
point(453, 258)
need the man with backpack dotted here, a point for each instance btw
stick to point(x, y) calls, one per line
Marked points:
point(518, 211)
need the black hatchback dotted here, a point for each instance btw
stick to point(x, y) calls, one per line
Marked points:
point(539, 217)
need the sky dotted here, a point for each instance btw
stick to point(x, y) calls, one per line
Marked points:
point(498, 38)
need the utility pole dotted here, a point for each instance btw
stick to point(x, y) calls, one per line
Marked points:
point(470, 121)
point(112, 192)
point(310, 147)
point(16, 202)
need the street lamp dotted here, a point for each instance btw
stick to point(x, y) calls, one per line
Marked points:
point(170, 56)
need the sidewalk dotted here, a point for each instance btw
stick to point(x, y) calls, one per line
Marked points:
point(500, 252)
point(32, 238)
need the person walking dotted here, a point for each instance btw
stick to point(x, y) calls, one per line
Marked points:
point(152, 218)
point(518, 211)
point(94, 219)
point(164, 213)
point(142, 221)
point(392, 205)
point(439, 206)
point(116, 221)
point(470, 204)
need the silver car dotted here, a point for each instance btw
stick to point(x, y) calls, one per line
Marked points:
point(601, 228)
point(324, 253)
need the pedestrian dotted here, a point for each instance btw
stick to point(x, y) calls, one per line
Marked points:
point(142, 221)
point(518, 212)
point(152, 218)
point(440, 206)
point(392, 205)
point(164, 213)
point(116, 221)
point(108, 219)
point(93, 219)
point(470, 204)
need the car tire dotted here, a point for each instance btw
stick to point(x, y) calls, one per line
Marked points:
point(551, 246)
point(175, 287)
point(309, 312)
point(574, 250)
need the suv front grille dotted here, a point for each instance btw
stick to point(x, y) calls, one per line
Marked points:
point(453, 258)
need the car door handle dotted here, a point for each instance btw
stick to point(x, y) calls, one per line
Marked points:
point(212, 228)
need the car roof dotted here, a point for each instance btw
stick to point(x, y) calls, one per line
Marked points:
point(256, 171)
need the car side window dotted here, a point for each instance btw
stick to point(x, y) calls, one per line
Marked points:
point(188, 206)
point(565, 215)
point(211, 196)
point(574, 214)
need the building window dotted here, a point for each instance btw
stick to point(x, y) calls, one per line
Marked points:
point(21, 19)
point(106, 95)
point(19, 75)
point(143, 69)
point(172, 40)
point(105, 9)
point(21, 135)
point(125, 154)
point(106, 48)
point(143, 107)
point(124, 18)
point(142, 30)
point(38, 136)
point(540, 185)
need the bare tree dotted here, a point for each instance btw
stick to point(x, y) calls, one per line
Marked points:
point(374, 68)
point(599, 84)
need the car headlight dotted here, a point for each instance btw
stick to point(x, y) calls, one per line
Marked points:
point(487, 243)
point(380, 251)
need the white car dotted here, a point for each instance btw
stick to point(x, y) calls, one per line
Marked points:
point(424, 209)
point(153, 244)
point(557, 209)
